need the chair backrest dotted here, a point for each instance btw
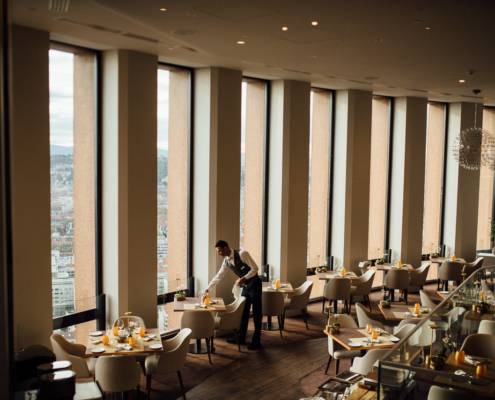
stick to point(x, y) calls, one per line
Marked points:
point(426, 301)
point(117, 373)
point(480, 345)
point(337, 289)
point(346, 321)
point(450, 271)
point(405, 330)
point(174, 352)
point(469, 268)
point(74, 353)
point(300, 298)
point(126, 319)
point(365, 283)
point(272, 303)
point(487, 327)
point(200, 322)
point(397, 279)
point(418, 276)
point(443, 393)
point(364, 365)
point(363, 317)
point(231, 319)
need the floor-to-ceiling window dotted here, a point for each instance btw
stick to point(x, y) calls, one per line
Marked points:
point(485, 203)
point(379, 164)
point(434, 171)
point(321, 104)
point(73, 179)
point(253, 152)
point(173, 153)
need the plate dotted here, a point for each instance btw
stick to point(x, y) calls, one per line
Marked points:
point(394, 339)
point(98, 350)
point(354, 344)
point(96, 333)
point(156, 346)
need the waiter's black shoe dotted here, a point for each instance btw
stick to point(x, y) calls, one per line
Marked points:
point(254, 346)
point(233, 340)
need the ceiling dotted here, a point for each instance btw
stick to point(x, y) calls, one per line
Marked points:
point(392, 47)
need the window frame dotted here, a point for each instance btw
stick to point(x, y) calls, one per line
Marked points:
point(168, 297)
point(97, 313)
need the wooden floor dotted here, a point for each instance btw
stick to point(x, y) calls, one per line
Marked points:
point(285, 369)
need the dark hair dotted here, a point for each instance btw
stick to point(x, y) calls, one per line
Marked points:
point(221, 244)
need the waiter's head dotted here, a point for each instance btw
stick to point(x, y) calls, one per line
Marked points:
point(223, 248)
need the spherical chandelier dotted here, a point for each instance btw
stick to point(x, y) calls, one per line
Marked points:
point(474, 146)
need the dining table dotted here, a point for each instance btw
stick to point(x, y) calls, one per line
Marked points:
point(398, 312)
point(359, 339)
point(326, 276)
point(150, 343)
point(194, 304)
point(285, 287)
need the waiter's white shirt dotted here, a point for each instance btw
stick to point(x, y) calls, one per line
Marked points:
point(227, 261)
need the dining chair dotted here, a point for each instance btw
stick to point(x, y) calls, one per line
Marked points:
point(405, 330)
point(230, 319)
point(362, 289)
point(336, 289)
point(427, 302)
point(479, 345)
point(83, 366)
point(335, 350)
point(202, 326)
point(443, 393)
point(364, 266)
point(418, 278)
point(299, 300)
point(487, 327)
point(117, 374)
point(364, 318)
point(469, 268)
point(397, 279)
point(364, 365)
point(172, 359)
point(450, 271)
point(273, 305)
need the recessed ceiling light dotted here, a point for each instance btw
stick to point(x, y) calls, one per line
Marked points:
point(163, 9)
point(314, 23)
point(241, 42)
point(427, 28)
point(285, 28)
point(461, 81)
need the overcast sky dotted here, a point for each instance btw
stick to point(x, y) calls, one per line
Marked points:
point(62, 104)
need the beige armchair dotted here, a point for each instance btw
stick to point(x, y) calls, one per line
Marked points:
point(362, 289)
point(397, 279)
point(299, 300)
point(364, 266)
point(335, 350)
point(202, 326)
point(443, 393)
point(172, 359)
point(83, 366)
point(273, 305)
point(117, 374)
point(450, 271)
point(469, 268)
point(427, 302)
point(364, 365)
point(418, 278)
point(487, 327)
point(364, 319)
point(230, 320)
point(337, 289)
point(480, 345)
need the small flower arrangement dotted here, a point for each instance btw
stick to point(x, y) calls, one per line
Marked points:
point(180, 295)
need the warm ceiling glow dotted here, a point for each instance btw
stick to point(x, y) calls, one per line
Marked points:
point(163, 9)
point(241, 42)
point(427, 28)
point(461, 81)
point(285, 28)
point(314, 23)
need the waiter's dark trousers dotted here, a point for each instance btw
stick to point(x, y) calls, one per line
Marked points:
point(252, 293)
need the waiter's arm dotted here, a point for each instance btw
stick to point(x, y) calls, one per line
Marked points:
point(247, 259)
point(218, 277)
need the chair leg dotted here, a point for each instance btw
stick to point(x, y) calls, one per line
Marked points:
point(328, 364)
point(280, 326)
point(335, 305)
point(369, 301)
point(213, 344)
point(238, 339)
point(405, 295)
point(208, 349)
point(305, 317)
point(181, 385)
point(148, 385)
point(323, 306)
point(337, 362)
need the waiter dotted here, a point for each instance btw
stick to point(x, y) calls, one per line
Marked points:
point(241, 264)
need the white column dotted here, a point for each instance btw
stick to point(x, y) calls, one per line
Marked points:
point(462, 188)
point(407, 183)
point(30, 180)
point(351, 173)
point(288, 180)
point(217, 152)
point(129, 184)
